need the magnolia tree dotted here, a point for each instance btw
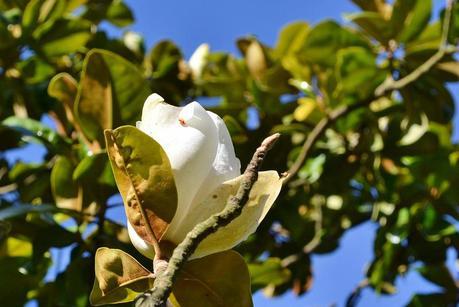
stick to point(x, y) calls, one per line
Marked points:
point(361, 113)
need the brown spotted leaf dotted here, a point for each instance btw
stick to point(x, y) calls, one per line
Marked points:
point(144, 178)
point(119, 278)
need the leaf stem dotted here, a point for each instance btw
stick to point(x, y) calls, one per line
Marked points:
point(157, 296)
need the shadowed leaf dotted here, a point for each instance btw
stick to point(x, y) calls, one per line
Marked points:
point(217, 280)
point(111, 93)
point(66, 192)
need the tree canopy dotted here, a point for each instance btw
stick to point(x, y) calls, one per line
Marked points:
point(364, 111)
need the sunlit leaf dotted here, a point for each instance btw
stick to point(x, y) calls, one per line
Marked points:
point(257, 62)
point(268, 272)
point(40, 11)
point(119, 14)
point(119, 278)
point(291, 38)
point(410, 17)
point(64, 36)
point(261, 198)
point(63, 87)
point(325, 39)
point(304, 109)
point(144, 177)
point(39, 132)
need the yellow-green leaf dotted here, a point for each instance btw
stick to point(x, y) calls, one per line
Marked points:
point(291, 38)
point(256, 59)
point(66, 192)
point(63, 87)
point(305, 108)
point(111, 93)
point(63, 36)
point(119, 278)
point(268, 272)
point(144, 177)
point(220, 279)
point(261, 198)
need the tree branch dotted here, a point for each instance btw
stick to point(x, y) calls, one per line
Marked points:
point(387, 87)
point(165, 278)
point(311, 245)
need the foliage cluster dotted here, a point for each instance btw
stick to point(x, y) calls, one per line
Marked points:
point(386, 159)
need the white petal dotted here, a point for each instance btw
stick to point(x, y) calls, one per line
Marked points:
point(142, 246)
point(261, 198)
point(198, 59)
point(189, 138)
point(224, 167)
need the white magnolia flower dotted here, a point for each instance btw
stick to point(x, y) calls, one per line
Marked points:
point(133, 41)
point(198, 60)
point(206, 172)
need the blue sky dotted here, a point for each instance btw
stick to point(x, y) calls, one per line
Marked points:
point(220, 23)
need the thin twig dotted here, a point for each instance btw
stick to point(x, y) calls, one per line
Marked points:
point(387, 87)
point(164, 281)
point(318, 131)
point(311, 245)
point(354, 297)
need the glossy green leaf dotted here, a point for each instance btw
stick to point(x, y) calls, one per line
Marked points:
point(373, 24)
point(164, 59)
point(111, 93)
point(38, 131)
point(325, 39)
point(145, 180)
point(64, 36)
point(291, 39)
point(216, 280)
point(119, 14)
point(119, 278)
point(67, 193)
point(371, 5)
point(63, 87)
point(410, 17)
point(357, 72)
point(40, 11)
point(35, 70)
point(89, 166)
point(268, 272)
point(429, 39)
